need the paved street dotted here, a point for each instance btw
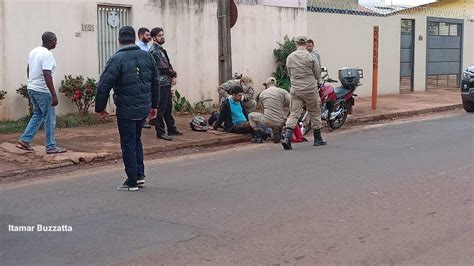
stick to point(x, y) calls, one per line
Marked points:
point(392, 194)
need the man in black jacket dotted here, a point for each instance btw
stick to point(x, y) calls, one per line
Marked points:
point(233, 113)
point(133, 75)
point(167, 79)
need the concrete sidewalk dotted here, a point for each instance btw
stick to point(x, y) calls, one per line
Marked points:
point(86, 144)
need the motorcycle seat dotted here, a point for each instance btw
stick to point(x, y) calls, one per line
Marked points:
point(341, 92)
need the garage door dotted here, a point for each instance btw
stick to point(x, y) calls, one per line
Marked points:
point(444, 52)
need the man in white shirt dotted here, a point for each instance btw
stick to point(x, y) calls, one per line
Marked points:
point(144, 39)
point(40, 72)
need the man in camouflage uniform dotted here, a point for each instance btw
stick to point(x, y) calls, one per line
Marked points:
point(246, 84)
point(273, 100)
point(304, 71)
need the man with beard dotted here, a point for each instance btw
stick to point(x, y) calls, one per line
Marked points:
point(167, 79)
point(144, 39)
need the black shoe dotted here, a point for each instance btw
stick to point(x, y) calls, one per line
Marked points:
point(287, 141)
point(175, 133)
point(277, 135)
point(165, 137)
point(141, 181)
point(318, 139)
point(257, 136)
point(125, 187)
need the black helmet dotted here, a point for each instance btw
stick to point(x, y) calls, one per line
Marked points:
point(198, 123)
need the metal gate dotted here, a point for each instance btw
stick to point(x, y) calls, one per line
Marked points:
point(444, 52)
point(109, 20)
point(407, 55)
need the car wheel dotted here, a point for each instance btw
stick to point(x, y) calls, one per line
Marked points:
point(468, 106)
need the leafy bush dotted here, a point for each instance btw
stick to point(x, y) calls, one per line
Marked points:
point(80, 92)
point(281, 53)
point(2, 95)
point(181, 104)
point(23, 91)
point(201, 107)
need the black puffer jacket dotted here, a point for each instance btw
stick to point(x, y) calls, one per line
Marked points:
point(133, 75)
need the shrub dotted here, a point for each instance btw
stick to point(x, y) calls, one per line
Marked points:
point(281, 53)
point(2, 95)
point(201, 107)
point(80, 92)
point(23, 91)
point(181, 104)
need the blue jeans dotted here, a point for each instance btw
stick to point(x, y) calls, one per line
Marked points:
point(43, 111)
point(132, 149)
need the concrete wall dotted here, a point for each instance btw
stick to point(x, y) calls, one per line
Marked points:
point(347, 41)
point(256, 35)
point(191, 40)
point(2, 39)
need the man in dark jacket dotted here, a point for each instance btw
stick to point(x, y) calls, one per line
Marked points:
point(167, 79)
point(233, 113)
point(132, 74)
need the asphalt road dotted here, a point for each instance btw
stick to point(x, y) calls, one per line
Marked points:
point(394, 194)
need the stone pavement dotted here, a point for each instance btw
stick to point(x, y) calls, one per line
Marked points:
point(86, 144)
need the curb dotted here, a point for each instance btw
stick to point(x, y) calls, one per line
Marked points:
point(235, 139)
point(375, 118)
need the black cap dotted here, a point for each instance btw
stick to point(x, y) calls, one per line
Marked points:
point(126, 34)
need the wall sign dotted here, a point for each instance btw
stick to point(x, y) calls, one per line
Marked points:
point(113, 19)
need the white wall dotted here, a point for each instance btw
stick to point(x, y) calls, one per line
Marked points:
point(468, 43)
point(257, 33)
point(347, 41)
point(191, 41)
point(2, 38)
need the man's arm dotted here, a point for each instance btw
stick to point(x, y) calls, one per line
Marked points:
point(48, 78)
point(287, 99)
point(27, 71)
point(222, 115)
point(107, 80)
point(162, 66)
point(250, 93)
point(155, 87)
point(316, 68)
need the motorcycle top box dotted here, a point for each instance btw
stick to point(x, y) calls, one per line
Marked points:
point(350, 77)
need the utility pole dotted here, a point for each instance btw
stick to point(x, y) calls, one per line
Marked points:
point(225, 45)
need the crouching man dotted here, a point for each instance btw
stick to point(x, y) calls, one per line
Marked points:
point(246, 84)
point(273, 100)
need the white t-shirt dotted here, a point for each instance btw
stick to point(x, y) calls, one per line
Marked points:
point(40, 59)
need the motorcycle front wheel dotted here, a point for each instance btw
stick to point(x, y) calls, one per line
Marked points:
point(340, 119)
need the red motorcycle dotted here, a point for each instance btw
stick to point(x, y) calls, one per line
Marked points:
point(337, 102)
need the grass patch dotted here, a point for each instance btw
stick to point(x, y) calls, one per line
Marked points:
point(62, 121)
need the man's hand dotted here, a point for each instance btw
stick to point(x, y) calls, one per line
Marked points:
point(102, 115)
point(153, 113)
point(54, 100)
point(173, 81)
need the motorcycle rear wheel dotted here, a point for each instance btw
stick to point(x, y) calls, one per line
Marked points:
point(340, 119)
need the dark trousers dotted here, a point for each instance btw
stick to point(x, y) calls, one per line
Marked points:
point(132, 149)
point(165, 110)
